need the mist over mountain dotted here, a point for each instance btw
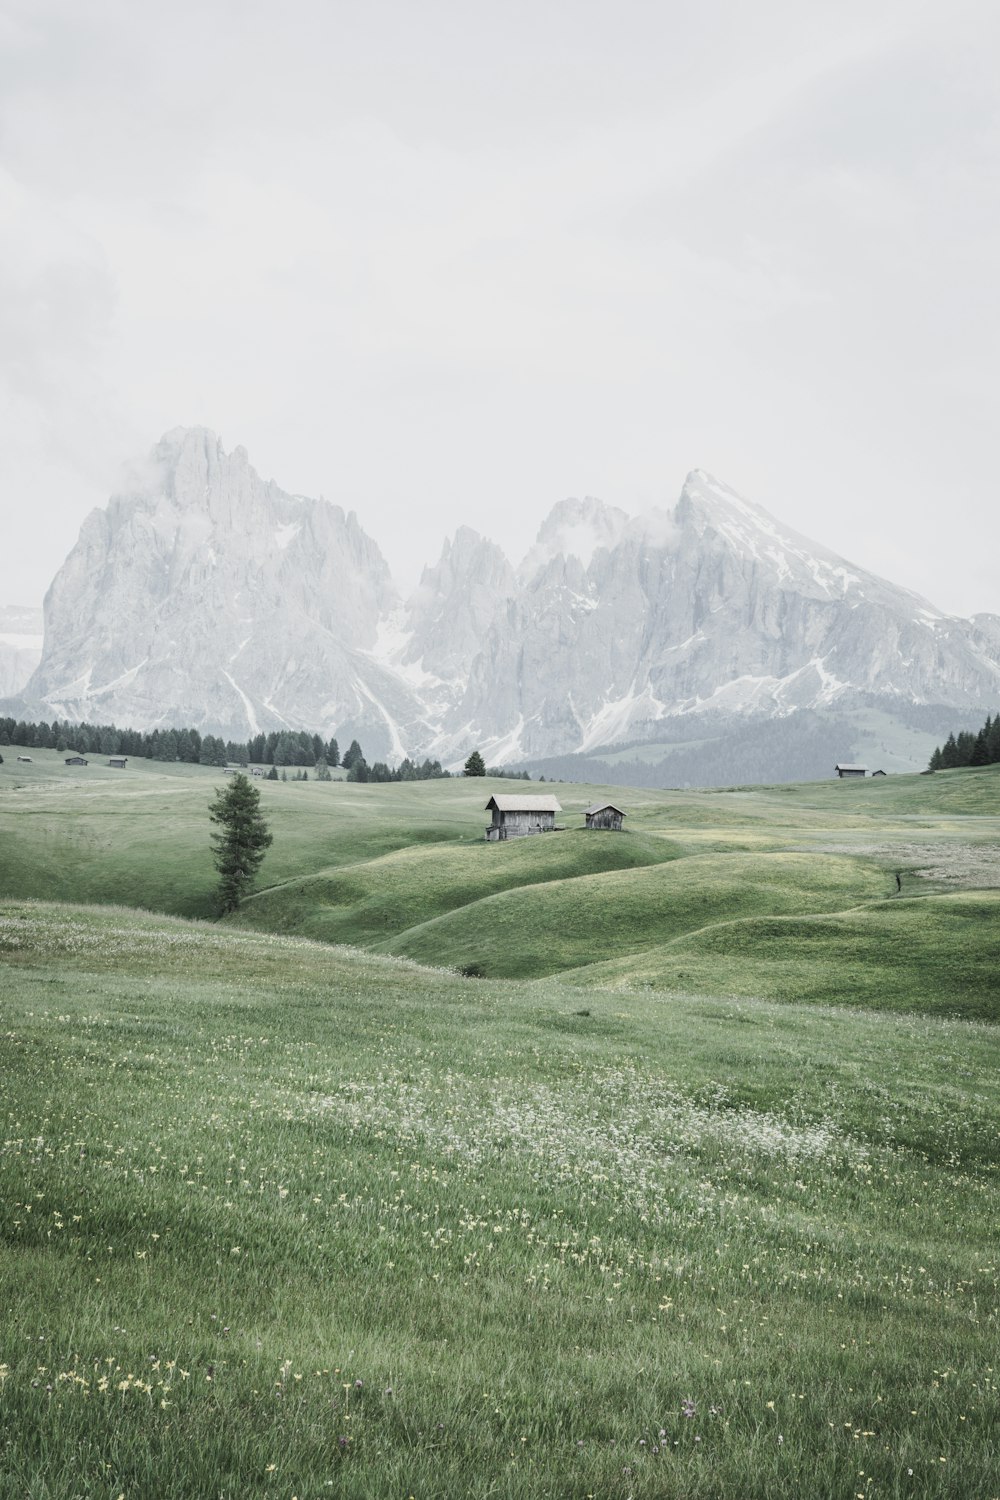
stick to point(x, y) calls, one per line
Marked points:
point(207, 596)
point(20, 646)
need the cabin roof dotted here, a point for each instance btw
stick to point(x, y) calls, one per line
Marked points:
point(504, 803)
point(847, 766)
point(597, 807)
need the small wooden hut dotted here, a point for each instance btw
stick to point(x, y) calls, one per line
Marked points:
point(605, 815)
point(516, 817)
point(75, 760)
point(843, 770)
point(119, 762)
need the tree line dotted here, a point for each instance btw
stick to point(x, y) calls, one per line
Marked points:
point(967, 748)
point(279, 749)
point(358, 768)
point(293, 747)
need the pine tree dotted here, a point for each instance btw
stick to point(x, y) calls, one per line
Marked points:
point(980, 751)
point(352, 754)
point(475, 765)
point(993, 740)
point(240, 846)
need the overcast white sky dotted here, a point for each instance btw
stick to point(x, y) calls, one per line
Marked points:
point(446, 261)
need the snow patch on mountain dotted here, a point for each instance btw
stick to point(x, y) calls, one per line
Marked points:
point(285, 534)
point(205, 595)
point(252, 722)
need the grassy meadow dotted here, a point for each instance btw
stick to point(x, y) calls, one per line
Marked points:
point(693, 1195)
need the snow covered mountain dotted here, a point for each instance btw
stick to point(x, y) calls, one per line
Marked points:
point(712, 608)
point(208, 596)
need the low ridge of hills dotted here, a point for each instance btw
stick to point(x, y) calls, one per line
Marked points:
point(640, 645)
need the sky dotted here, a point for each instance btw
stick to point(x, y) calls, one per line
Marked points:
point(449, 262)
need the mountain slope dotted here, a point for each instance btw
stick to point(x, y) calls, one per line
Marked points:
point(206, 595)
point(714, 608)
point(210, 597)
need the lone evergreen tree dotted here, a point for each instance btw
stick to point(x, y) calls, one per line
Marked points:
point(475, 765)
point(244, 837)
point(353, 753)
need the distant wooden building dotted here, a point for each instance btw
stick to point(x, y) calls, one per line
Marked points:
point(846, 770)
point(75, 760)
point(515, 817)
point(25, 758)
point(119, 762)
point(878, 773)
point(605, 815)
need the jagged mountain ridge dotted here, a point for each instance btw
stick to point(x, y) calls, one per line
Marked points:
point(714, 607)
point(209, 596)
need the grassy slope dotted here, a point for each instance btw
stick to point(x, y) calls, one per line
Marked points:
point(141, 836)
point(404, 868)
point(367, 900)
point(935, 955)
point(542, 929)
point(249, 1172)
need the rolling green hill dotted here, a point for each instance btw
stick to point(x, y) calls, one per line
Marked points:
point(697, 1196)
point(366, 901)
point(706, 890)
point(284, 1219)
point(544, 928)
point(936, 955)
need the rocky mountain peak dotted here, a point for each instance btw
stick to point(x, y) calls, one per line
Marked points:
point(452, 607)
point(203, 594)
point(575, 528)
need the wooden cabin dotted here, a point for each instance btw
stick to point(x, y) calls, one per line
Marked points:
point(605, 815)
point(75, 760)
point(118, 761)
point(846, 770)
point(515, 817)
point(878, 773)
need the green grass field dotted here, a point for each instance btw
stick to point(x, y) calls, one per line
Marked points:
point(694, 1195)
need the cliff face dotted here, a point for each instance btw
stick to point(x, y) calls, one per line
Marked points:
point(711, 608)
point(210, 597)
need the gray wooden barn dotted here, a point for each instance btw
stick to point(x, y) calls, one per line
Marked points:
point(605, 815)
point(845, 770)
point(514, 817)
